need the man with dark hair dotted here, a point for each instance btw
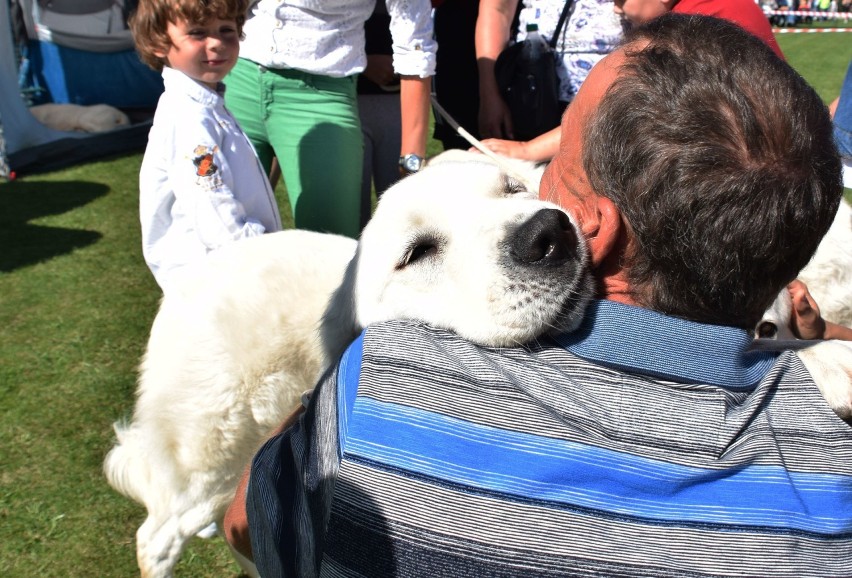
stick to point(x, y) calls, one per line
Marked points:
point(725, 191)
point(650, 442)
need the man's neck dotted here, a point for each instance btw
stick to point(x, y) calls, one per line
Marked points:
point(613, 284)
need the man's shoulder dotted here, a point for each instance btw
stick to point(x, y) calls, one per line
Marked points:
point(471, 447)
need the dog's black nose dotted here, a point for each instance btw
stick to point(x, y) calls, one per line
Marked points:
point(547, 238)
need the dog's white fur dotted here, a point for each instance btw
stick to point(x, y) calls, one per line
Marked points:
point(829, 274)
point(829, 279)
point(229, 354)
point(76, 117)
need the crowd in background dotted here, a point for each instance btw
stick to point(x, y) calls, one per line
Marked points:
point(776, 10)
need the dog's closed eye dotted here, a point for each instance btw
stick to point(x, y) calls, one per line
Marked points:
point(419, 249)
point(511, 186)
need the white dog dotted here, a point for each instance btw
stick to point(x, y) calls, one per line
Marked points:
point(459, 245)
point(829, 279)
point(829, 362)
point(829, 274)
point(76, 117)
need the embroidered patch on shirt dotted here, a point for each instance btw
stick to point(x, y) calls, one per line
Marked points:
point(203, 160)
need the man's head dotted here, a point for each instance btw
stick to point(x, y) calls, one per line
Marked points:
point(151, 21)
point(701, 169)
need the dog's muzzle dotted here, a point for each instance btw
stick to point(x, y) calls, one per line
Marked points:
point(546, 239)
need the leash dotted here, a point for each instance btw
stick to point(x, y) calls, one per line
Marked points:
point(501, 162)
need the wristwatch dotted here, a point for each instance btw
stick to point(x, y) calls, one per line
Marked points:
point(411, 163)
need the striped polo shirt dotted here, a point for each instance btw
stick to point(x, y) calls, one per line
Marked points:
point(639, 445)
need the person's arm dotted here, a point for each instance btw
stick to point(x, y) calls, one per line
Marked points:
point(414, 55)
point(414, 105)
point(832, 108)
point(289, 489)
point(204, 176)
point(806, 320)
point(493, 27)
point(540, 149)
point(236, 521)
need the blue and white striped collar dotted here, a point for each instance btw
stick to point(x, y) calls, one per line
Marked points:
point(642, 341)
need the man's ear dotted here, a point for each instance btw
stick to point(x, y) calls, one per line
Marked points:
point(603, 229)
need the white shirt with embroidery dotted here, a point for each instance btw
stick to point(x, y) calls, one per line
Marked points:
point(327, 36)
point(201, 185)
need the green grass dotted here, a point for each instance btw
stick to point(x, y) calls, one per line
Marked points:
point(76, 302)
point(821, 58)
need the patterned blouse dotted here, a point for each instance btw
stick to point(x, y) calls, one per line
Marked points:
point(591, 33)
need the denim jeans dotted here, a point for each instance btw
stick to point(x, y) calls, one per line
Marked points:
point(843, 117)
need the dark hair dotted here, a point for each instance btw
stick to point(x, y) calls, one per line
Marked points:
point(149, 22)
point(721, 160)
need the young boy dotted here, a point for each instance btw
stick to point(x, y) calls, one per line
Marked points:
point(201, 185)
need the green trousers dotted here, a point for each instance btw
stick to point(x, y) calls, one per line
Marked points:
point(310, 123)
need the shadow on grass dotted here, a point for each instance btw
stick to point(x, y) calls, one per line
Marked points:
point(24, 243)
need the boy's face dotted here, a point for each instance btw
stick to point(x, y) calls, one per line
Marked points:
point(205, 52)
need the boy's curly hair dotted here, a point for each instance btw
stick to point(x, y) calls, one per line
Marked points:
point(149, 22)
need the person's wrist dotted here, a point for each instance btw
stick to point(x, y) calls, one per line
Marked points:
point(836, 331)
point(410, 163)
point(817, 328)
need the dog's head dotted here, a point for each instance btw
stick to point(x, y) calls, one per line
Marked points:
point(462, 246)
point(775, 323)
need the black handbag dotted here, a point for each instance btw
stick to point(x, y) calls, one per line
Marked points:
point(530, 85)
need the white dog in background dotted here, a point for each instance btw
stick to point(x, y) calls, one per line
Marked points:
point(829, 280)
point(76, 117)
point(460, 245)
point(828, 277)
point(829, 274)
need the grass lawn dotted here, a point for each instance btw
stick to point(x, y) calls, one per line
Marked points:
point(76, 302)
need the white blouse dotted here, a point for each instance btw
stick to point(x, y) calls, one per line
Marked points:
point(327, 36)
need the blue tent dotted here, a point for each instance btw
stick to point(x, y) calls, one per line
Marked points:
point(69, 51)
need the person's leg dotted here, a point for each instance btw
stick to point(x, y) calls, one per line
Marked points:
point(367, 128)
point(382, 113)
point(314, 129)
point(244, 98)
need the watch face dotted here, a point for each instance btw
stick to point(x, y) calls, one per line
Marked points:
point(412, 163)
